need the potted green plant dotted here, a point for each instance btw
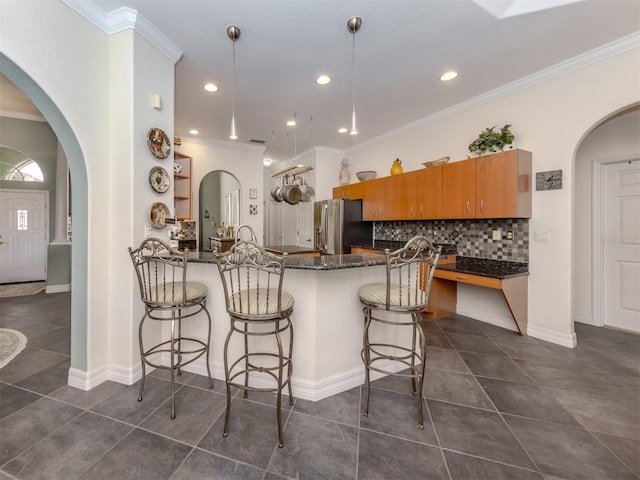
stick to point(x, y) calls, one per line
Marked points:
point(489, 140)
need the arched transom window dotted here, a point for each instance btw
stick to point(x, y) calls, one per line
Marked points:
point(18, 167)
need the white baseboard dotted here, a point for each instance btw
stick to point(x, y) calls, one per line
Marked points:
point(88, 380)
point(533, 330)
point(553, 336)
point(302, 388)
point(58, 288)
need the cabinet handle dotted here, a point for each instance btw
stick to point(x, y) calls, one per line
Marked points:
point(421, 209)
point(411, 210)
point(468, 205)
point(482, 206)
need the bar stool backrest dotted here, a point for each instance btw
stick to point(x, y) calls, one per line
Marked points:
point(161, 272)
point(410, 271)
point(252, 279)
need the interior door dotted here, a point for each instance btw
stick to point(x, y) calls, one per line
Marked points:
point(23, 226)
point(305, 225)
point(621, 249)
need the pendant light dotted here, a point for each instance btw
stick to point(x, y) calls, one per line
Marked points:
point(233, 33)
point(353, 25)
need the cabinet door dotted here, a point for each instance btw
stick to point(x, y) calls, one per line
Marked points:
point(390, 200)
point(503, 185)
point(428, 193)
point(370, 200)
point(340, 192)
point(353, 191)
point(459, 189)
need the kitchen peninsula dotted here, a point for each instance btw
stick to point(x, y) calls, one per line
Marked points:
point(327, 316)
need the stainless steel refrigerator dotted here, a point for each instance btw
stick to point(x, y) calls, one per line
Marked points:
point(337, 225)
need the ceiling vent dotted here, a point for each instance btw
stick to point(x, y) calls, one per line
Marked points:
point(261, 142)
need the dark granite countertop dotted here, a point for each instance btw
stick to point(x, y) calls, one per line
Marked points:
point(486, 268)
point(290, 249)
point(469, 265)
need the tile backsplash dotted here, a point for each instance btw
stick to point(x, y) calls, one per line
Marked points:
point(474, 237)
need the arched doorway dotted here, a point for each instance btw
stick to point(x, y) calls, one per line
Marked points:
point(79, 203)
point(612, 141)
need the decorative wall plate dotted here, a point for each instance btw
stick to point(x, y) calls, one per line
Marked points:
point(159, 179)
point(158, 214)
point(158, 143)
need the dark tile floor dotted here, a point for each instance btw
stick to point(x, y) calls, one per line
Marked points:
point(499, 406)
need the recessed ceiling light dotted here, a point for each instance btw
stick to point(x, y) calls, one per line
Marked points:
point(194, 132)
point(448, 76)
point(291, 123)
point(211, 87)
point(323, 80)
point(343, 130)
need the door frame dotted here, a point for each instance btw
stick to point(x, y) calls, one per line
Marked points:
point(597, 237)
point(46, 194)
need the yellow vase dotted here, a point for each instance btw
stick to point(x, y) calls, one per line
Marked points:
point(396, 168)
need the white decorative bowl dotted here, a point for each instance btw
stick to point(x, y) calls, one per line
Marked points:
point(366, 175)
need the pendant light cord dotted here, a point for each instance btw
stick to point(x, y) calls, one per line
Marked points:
point(233, 112)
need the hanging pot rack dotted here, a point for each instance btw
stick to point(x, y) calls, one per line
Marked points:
point(292, 171)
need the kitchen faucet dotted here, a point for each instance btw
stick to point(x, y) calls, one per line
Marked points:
point(253, 234)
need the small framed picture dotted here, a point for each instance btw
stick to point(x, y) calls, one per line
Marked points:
point(253, 193)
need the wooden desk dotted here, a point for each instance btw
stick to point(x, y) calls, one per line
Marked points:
point(443, 295)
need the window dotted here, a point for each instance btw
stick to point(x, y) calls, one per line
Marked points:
point(16, 166)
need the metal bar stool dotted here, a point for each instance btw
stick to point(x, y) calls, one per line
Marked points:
point(169, 297)
point(409, 272)
point(258, 307)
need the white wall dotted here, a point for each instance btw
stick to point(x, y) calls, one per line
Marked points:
point(549, 119)
point(94, 90)
point(618, 138)
point(241, 160)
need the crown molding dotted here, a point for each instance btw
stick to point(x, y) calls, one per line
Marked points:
point(223, 143)
point(23, 116)
point(580, 61)
point(122, 19)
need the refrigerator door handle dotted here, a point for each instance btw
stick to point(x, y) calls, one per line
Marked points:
point(324, 226)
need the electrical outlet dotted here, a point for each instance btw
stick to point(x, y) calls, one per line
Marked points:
point(147, 231)
point(541, 236)
point(509, 234)
point(497, 235)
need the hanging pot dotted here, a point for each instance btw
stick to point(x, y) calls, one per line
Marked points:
point(292, 194)
point(274, 193)
point(306, 191)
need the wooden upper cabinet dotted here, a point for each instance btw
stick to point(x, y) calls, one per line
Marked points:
point(391, 199)
point(353, 191)
point(459, 189)
point(491, 186)
point(503, 185)
point(370, 200)
point(428, 193)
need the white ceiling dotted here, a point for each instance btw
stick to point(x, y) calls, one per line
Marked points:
point(401, 50)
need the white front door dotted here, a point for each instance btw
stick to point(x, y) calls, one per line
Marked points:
point(621, 249)
point(23, 226)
